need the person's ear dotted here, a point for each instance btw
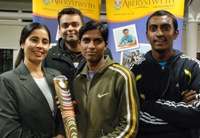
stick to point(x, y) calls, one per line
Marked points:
point(106, 44)
point(59, 30)
point(176, 33)
point(147, 36)
point(58, 33)
point(22, 46)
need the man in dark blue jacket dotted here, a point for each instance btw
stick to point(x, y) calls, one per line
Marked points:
point(167, 83)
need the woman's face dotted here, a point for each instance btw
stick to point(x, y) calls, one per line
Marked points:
point(36, 46)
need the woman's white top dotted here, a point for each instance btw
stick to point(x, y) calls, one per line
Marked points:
point(42, 84)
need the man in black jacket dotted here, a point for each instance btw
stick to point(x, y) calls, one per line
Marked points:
point(167, 83)
point(66, 55)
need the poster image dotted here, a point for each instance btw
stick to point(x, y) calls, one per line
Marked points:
point(125, 37)
point(126, 13)
point(132, 55)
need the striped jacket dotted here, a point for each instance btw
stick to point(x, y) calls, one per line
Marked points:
point(160, 90)
point(108, 104)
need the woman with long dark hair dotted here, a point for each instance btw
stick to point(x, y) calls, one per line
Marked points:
point(27, 103)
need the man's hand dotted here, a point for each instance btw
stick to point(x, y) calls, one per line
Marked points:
point(189, 97)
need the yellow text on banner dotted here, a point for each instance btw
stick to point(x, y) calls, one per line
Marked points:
point(127, 10)
point(50, 8)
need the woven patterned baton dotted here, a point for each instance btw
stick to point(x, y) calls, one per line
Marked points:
point(67, 109)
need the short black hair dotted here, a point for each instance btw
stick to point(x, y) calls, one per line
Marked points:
point(94, 25)
point(125, 30)
point(70, 11)
point(163, 13)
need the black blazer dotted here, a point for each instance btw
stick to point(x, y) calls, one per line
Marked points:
point(24, 110)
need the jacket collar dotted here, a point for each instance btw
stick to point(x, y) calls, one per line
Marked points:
point(30, 85)
point(173, 58)
point(102, 68)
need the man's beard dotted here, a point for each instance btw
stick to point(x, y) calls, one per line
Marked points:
point(161, 52)
point(72, 43)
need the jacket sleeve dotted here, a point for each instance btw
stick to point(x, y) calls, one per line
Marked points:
point(128, 107)
point(177, 114)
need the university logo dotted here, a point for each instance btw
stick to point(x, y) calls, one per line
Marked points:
point(47, 1)
point(117, 4)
